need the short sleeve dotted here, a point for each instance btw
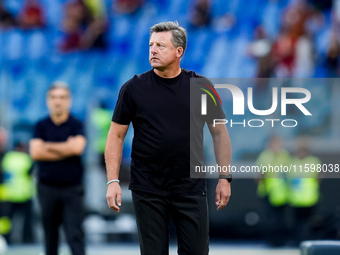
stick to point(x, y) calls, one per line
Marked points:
point(214, 103)
point(125, 109)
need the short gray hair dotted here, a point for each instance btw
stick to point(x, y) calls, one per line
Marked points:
point(179, 34)
point(59, 85)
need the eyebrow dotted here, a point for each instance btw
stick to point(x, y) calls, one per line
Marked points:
point(161, 42)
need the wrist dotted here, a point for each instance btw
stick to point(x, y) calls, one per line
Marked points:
point(112, 181)
point(227, 177)
point(46, 145)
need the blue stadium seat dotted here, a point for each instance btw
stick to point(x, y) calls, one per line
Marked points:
point(53, 12)
point(36, 45)
point(14, 44)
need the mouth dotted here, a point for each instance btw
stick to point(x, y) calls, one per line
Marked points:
point(154, 58)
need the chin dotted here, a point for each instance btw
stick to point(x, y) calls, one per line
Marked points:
point(156, 64)
point(158, 67)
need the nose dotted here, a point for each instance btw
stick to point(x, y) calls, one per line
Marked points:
point(153, 49)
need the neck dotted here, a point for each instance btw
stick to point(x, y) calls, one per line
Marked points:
point(168, 73)
point(59, 118)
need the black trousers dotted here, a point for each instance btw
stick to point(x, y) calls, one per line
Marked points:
point(189, 215)
point(62, 206)
point(276, 224)
point(301, 229)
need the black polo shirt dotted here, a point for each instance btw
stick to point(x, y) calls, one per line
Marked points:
point(159, 110)
point(66, 172)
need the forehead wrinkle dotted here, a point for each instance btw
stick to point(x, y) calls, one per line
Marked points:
point(161, 37)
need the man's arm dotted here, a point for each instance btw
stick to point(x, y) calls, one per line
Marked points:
point(113, 157)
point(222, 148)
point(39, 152)
point(73, 146)
point(52, 151)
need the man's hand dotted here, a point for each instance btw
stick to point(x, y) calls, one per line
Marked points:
point(114, 196)
point(113, 157)
point(73, 146)
point(223, 193)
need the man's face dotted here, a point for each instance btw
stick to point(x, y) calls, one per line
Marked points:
point(163, 53)
point(275, 144)
point(58, 101)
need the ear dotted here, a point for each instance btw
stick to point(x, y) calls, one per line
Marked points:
point(179, 52)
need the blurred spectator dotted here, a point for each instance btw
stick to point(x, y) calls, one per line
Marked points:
point(322, 5)
point(336, 12)
point(32, 15)
point(127, 6)
point(101, 119)
point(304, 58)
point(5, 223)
point(273, 189)
point(84, 25)
point(94, 35)
point(293, 49)
point(303, 191)
point(3, 141)
point(332, 57)
point(261, 49)
point(7, 20)
point(295, 17)
point(200, 16)
point(72, 26)
point(284, 54)
point(19, 189)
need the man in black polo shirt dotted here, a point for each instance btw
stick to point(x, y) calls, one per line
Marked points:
point(57, 144)
point(158, 105)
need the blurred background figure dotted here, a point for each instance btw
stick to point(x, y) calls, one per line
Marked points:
point(284, 54)
point(273, 189)
point(57, 145)
point(294, 18)
point(303, 191)
point(3, 141)
point(31, 15)
point(97, 25)
point(201, 14)
point(5, 222)
point(101, 119)
point(7, 19)
point(333, 54)
point(293, 48)
point(19, 190)
point(84, 25)
point(127, 6)
point(72, 26)
point(261, 49)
